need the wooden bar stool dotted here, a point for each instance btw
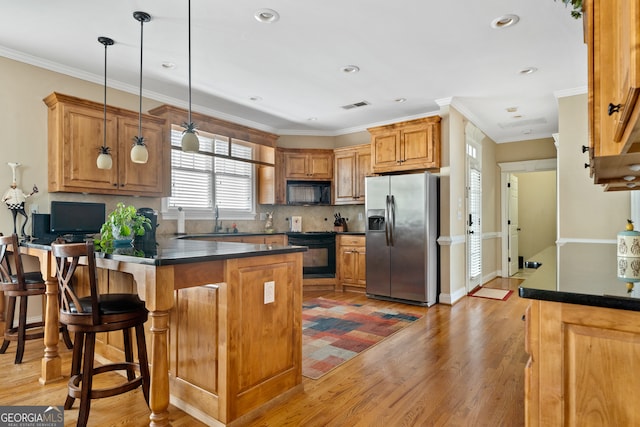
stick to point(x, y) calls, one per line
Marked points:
point(20, 286)
point(86, 316)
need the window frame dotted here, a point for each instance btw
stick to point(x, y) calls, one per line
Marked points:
point(170, 212)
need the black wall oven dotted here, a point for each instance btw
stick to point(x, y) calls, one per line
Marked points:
point(320, 259)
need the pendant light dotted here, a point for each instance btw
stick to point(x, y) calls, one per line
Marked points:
point(139, 153)
point(104, 160)
point(190, 141)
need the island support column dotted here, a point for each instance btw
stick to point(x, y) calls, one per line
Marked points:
point(158, 296)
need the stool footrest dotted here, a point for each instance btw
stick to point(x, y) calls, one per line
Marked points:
point(75, 387)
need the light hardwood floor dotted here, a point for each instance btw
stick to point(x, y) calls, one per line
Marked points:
point(457, 366)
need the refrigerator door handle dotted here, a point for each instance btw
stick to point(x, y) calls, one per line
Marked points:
point(386, 220)
point(392, 224)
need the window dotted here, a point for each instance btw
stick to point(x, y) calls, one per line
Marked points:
point(221, 174)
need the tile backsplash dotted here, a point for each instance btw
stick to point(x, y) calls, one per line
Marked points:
point(314, 218)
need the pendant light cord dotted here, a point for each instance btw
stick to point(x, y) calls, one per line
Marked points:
point(104, 139)
point(140, 109)
point(189, 49)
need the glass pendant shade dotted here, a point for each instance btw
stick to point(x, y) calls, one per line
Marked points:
point(104, 161)
point(190, 142)
point(139, 154)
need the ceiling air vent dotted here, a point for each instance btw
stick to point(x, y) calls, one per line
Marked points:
point(355, 105)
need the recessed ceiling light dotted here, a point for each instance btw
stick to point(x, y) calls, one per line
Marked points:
point(631, 184)
point(512, 109)
point(504, 21)
point(629, 178)
point(267, 15)
point(255, 98)
point(528, 70)
point(634, 168)
point(526, 131)
point(400, 100)
point(517, 116)
point(350, 69)
point(313, 119)
point(168, 65)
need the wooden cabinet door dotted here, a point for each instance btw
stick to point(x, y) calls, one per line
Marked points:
point(348, 265)
point(418, 150)
point(295, 166)
point(352, 165)
point(82, 131)
point(320, 166)
point(352, 261)
point(138, 178)
point(581, 360)
point(345, 180)
point(363, 170)
point(385, 150)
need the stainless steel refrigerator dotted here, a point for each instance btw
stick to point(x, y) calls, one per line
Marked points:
point(401, 229)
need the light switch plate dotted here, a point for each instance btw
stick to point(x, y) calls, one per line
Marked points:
point(269, 292)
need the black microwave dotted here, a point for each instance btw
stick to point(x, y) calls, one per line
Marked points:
point(308, 192)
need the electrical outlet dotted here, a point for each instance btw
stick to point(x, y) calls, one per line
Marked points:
point(359, 216)
point(34, 209)
point(269, 292)
point(263, 216)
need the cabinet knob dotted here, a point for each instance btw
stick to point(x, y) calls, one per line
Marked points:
point(613, 108)
point(585, 148)
point(587, 165)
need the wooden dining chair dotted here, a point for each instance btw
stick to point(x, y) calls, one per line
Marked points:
point(95, 313)
point(18, 286)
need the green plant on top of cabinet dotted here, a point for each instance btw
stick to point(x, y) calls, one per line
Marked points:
point(75, 129)
point(351, 166)
point(406, 146)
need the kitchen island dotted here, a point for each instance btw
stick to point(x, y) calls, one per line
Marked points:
point(583, 338)
point(225, 323)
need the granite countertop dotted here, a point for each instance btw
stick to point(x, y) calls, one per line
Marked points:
point(580, 273)
point(168, 251)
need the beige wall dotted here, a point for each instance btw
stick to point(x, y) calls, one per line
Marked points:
point(490, 211)
point(534, 149)
point(585, 210)
point(536, 212)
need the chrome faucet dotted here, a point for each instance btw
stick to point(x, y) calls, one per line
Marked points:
point(217, 227)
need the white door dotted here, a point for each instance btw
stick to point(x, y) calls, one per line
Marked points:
point(512, 221)
point(473, 220)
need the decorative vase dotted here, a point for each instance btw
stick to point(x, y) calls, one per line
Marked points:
point(119, 240)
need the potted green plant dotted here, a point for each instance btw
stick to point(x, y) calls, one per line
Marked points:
point(122, 226)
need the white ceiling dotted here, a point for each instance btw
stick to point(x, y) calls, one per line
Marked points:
point(429, 52)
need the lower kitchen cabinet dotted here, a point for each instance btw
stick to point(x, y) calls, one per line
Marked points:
point(581, 369)
point(352, 271)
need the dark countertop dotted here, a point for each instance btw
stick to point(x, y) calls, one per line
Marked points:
point(580, 273)
point(169, 251)
point(239, 234)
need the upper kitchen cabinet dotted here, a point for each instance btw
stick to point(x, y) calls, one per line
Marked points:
point(351, 166)
point(76, 127)
point(405, 146)
point(302, 164)
point(613, 39)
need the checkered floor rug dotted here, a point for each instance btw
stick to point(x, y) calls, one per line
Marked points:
point(334, 332)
